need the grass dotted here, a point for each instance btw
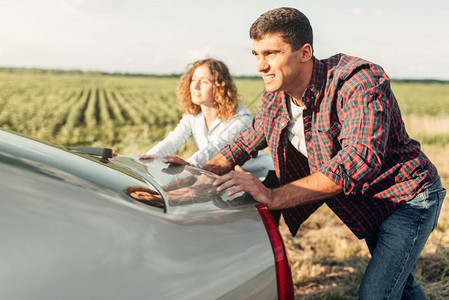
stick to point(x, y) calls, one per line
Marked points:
point(327, 260)
point(429, 130)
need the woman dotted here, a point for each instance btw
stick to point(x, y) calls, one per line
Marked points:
point(208, 98)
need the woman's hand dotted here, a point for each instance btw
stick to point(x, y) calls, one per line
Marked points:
point(172, 159)
point(169, 159)
point(147, 156)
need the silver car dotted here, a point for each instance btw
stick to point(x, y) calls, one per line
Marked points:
point(76, 224)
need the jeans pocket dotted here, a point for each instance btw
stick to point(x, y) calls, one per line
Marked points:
point(421, 201)
point(441, 195)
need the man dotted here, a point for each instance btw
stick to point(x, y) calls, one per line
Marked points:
point(334, 130)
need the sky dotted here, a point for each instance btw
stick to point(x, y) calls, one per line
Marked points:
point(409, 39)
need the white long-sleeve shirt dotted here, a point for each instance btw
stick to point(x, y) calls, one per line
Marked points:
point(209, 143)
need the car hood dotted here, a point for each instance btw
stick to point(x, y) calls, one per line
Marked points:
point(69, 231)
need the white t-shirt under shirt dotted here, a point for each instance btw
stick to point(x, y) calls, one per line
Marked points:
point(209, 143)
point(296, 127)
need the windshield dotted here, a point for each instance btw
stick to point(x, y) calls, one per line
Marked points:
point(173, 188)
point(184, 185)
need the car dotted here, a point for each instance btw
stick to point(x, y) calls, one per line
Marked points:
point(78, 223)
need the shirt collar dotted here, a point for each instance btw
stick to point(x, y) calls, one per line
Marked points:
point(214, 124)
point(202, 123)
point(316, 83)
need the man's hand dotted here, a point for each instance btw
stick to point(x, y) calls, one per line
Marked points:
point(303, 191)
point(218, 165)
point(241, 181)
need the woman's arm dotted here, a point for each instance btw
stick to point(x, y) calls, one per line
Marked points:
point(219, 137)
point(175, 139)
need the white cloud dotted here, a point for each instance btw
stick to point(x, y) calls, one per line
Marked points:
point(357, 11)
point(92, 6)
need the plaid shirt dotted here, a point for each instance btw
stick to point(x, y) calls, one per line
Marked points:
point(354, 135)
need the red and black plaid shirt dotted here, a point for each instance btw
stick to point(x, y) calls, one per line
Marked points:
point(354, 135)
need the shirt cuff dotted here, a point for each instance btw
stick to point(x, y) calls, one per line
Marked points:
point(234, 160)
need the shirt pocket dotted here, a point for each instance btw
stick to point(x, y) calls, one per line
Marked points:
point(328, 137)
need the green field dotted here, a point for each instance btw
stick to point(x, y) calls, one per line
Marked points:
point(127, 113)
point(132, 113)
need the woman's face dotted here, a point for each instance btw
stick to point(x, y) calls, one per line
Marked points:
point(201, 87)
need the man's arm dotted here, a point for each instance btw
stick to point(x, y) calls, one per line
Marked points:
point(250, 140)
point(218, 165)
point(303, 191)
point(312, 188)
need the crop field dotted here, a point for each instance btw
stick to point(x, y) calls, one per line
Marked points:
point(132, 113)
point(128, 114)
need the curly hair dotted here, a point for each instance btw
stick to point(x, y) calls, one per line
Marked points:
point(292, 24)
point(224, 89)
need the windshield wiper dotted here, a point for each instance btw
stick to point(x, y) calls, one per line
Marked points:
point(104, 153)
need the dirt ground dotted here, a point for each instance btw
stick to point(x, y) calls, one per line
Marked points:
point(328, 261)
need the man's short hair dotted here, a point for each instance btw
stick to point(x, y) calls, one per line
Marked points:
point(292, 24)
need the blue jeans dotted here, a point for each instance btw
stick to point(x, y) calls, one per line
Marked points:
point(396, 245)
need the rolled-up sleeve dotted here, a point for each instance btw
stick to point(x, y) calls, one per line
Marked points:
point(364, 119)
point(228, 132)
point(247, 143)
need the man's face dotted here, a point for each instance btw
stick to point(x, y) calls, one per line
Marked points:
point(279, 66)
